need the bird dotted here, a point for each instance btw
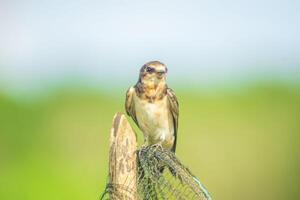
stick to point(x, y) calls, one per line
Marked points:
point(153, 106)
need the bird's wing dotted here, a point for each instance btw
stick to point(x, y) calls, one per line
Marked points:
point(173, 106)
point(129, 104)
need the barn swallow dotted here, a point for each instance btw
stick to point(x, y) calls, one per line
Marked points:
point(153, 106)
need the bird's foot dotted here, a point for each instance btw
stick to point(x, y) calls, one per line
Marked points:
point(158, 146)
point(144, 146)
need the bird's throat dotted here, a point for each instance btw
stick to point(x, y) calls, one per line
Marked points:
point(152, 92)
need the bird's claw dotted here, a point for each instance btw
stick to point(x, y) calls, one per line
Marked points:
point(143, 146)
point(158, 145)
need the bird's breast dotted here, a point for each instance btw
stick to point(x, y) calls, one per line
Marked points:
point(153, 113)
point(154, 119)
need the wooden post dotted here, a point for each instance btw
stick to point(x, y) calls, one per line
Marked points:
point(123, 159)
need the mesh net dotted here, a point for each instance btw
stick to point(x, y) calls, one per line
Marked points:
point(160, 176)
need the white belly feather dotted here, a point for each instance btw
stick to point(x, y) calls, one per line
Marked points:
point(155, 121)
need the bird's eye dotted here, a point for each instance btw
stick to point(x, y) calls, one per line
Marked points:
point(150, 69)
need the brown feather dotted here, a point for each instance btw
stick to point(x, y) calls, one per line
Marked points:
point(174, 108)
point(129, 104)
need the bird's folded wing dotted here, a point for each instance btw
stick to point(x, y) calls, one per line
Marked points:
point(129, 104)
point(173, 106)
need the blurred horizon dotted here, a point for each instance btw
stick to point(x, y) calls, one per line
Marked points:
point(117, 90)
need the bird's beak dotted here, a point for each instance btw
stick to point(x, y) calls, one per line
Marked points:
point(161, 73)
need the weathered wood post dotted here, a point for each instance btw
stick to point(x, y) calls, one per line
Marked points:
point(123, 159)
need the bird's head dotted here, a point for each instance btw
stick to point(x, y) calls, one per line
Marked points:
point(153, 74)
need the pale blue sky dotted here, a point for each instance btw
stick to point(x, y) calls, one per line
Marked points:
point(45, 42)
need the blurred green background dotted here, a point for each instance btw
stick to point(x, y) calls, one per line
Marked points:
point(243, 143)
point(65, 67)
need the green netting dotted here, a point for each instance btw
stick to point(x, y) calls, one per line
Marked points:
point(160, 176)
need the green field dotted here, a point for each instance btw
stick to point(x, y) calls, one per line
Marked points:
point(242, 143)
